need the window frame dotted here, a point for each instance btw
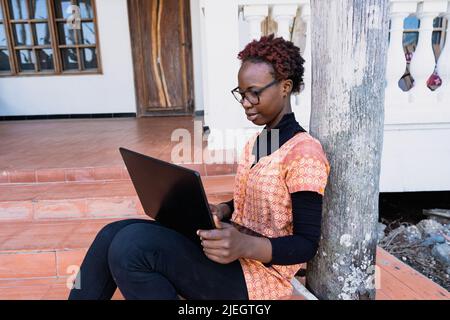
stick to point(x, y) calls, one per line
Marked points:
point(5, 23)
point(55, 45)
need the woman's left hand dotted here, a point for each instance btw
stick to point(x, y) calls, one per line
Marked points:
point(224, 244)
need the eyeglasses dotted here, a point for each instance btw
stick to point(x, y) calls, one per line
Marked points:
point(251, 95)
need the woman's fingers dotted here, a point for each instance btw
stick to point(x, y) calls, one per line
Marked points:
point(215, 210)
point(218, 256)
point(215, 234)
point(214, 244)
point(215, 252)
point(217, 221)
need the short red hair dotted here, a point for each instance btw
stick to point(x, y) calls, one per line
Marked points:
point(282, 55)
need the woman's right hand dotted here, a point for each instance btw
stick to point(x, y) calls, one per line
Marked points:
point(220, 210)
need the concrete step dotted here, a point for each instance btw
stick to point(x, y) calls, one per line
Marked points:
point(38, 260)
point(46, 248)
point(91, 174)
point(87, 200)
point(39, 289)
point(58, 289)
point(47, 228)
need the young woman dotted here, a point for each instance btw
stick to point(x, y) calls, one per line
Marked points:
point(278, 194)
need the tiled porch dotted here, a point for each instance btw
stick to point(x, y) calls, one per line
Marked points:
point(87, 149)
point(62, 180)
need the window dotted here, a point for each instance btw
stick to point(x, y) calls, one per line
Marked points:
point(5, 67)
point(40, 37)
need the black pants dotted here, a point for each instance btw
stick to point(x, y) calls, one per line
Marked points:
point(148, 261)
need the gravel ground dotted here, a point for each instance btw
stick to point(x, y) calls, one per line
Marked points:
point(415, 253)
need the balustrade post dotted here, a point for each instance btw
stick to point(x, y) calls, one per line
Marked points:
point(304, 99)
point(284, 16)
point(423, 61)
point(396, 62)
point(254, 15)
point(443, 66)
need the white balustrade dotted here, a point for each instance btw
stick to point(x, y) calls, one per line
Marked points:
point(303, 101)
point(423, 61)
point(417, 122)
point(415, 107)
point(284, 16)
point(396, 62)
point(251, 17)
point(255, 15)
point(443, 66)
point(229, 25)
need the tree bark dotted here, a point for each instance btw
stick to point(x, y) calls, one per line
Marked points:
point(349, 51)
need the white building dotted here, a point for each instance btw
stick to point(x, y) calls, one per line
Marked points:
point(167, 57)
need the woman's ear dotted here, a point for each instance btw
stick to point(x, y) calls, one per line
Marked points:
point(287, 87)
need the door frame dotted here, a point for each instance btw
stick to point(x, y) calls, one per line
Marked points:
point(136, 46)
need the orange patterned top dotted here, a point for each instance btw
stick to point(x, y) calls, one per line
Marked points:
point(263, 204)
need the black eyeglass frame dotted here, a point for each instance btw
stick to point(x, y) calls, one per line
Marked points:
point(257, 92)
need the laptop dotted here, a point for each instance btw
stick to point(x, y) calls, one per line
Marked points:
point(172, 195)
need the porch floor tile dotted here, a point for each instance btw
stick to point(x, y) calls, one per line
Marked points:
point(72, 143)
point(40, 151)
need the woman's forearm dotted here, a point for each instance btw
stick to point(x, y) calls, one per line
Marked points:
point(258, 248)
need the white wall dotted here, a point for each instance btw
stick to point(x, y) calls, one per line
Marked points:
point(415, 158)
point(197, 52)
point(111, 92)
point(221, 64)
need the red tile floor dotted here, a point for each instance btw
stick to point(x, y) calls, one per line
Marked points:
point(87, 149)
point(61, 181)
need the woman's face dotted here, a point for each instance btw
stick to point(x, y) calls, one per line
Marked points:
point(272, 101)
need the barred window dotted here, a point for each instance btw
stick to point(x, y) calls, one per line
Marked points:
point(45, 37)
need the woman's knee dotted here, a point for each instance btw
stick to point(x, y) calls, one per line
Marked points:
point(109, 231)
point(133, 243)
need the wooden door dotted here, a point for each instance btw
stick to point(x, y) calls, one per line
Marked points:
point(162, 56)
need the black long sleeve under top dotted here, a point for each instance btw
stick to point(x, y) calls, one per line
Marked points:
point(306, 207)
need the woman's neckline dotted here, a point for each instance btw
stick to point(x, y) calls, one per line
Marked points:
point(265, 158)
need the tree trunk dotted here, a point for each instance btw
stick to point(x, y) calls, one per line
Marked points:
point(349, 50)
